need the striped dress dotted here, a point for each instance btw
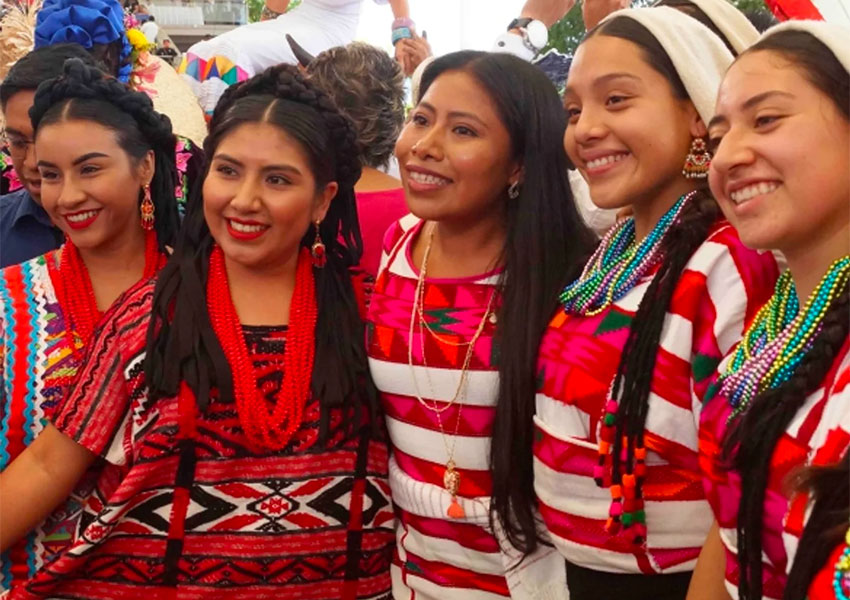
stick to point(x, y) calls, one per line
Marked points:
point(439, 557)
point(721, 288)
point(818, 434)
point(38, 360)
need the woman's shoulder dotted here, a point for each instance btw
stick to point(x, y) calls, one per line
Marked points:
point(132, 309)
point(723, 250)
point(399, 230)
point(28, 278)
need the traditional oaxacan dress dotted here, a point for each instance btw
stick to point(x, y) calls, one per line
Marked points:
point(312, 521)
point(38, 360)
point(818, 434)
point(439, 556)
point(721, 287)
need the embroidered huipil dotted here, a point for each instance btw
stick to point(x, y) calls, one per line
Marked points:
point(721, 287)
point(818, 434)
point(310, 522)
point(38, 361)
point(439, 557)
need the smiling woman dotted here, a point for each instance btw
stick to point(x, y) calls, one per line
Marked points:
point(624, 366)
point(232, 394)
point(105, 158)
point(467, 285)
point(781, 138)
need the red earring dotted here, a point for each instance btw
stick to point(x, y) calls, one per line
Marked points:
point(147, 210)
point(317, 250)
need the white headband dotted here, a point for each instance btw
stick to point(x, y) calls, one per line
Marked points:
point(833, 36)
point(698, 55)
point(731, 22)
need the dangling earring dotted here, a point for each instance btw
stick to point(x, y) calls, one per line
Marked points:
point(697, 161)
point(147, 210)
point(513, 190)
point(317, 250)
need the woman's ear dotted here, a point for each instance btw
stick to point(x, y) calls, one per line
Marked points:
point(146, 168)
point(698, 128)
point(323, 201)
point(517, 174)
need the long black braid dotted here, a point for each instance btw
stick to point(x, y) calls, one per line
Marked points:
point(182, 345)
point(83, 92)
point(637, 366)
point(827, 524)
point(753, 438)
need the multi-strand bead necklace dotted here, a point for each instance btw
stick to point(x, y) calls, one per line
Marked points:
point(779, 337)
point(75, 294)
point(618, 264)
point(267, 427)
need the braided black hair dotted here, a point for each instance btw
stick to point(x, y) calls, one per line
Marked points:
point(637, 366)
point(85, 93)
point(182, 345)
point(753, 438)
point(826, 526)
point(633, 381)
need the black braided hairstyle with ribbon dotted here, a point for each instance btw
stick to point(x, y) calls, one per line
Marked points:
point(182, 345)
point(751, 442)
point(633, 381)
point(84, 93)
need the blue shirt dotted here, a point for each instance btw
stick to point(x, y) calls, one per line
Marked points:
point(25, 229)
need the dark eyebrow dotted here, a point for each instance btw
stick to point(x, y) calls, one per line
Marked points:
point(758, 98)
point(602, 80)
point(610, 76)
point(456, 114)
point(14, 131)
point(82, 159)
point(282, 167)
point(89, 156)
point(764, 96)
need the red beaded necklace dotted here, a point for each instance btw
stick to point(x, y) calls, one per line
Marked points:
point(74, 291)
point(271, 429)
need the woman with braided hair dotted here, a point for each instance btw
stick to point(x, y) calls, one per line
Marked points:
point(781, 135)
point(108, 177)
point(625, 363)
point(229, 401)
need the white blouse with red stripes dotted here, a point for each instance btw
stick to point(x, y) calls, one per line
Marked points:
point(722, 286)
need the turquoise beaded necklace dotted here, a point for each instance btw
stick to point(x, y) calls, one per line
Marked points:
point(779, 337)
point(618, 264)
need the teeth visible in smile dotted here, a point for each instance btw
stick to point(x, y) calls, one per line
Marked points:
point(245, 228)
point(753, 190)
point(605, 160)
point(80, 217)
point(428, 179)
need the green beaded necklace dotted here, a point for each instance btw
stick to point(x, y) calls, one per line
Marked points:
point(779, 337)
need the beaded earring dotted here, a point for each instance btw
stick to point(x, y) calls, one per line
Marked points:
point(513, 190)
point(697, 161)
point(317, 250)
point(147, 209)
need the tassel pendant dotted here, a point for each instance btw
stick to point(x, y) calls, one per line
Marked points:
point(455, 509)
point(451, 481)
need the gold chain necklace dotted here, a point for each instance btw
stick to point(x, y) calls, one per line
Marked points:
point(451, 476)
